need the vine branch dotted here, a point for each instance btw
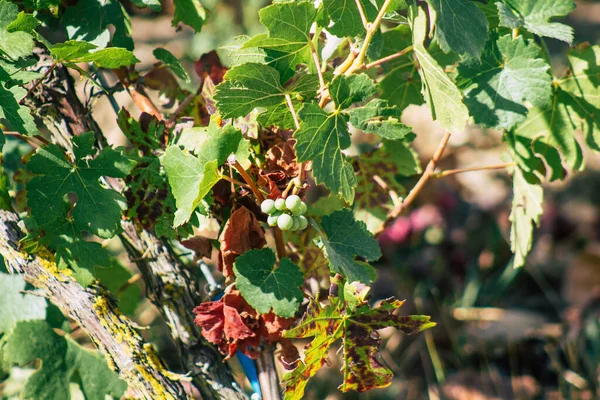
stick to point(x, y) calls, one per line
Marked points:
point(443, 174)
point(389, 58)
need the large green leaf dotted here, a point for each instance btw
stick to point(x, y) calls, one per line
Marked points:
point(15, 40)
point(379, 118)
point(356, 324)
point(526, 212)
point(510, 76)
point(62, 360)
point(190, 178)
point(345, 17)
point(89, 21)
point(535, 15)
point(74, 51)
point(288, 42)
point(249, 86)
point(17, 305)
point(97, 209)
point(265, 287)
point(347, 90)
point(460, 26)
point(190, 12)
point(171, 62)
point(321, 139)
point(18, 117)
point(441, 94)
point(344, 239)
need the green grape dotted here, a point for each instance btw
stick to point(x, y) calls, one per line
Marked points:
point(296, 224)
point(268, 206)
point(303, 222)
point(280, 204)
point(285, 222)
point(293, 203)
point(303, 208)
point(272, 220)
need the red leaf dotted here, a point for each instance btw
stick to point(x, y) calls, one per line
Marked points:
point(210, 65)
point(200, 245)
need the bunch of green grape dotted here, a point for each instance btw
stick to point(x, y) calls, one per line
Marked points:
point(287, 214)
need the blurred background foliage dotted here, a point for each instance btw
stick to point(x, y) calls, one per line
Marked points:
point(502, 333)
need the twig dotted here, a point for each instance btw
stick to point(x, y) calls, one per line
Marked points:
point(429, 170)
point(232, 160)
point(27, 139)
point(363, 17)
point(235, 181)
point(267, 374)
point(36, 84)
point(443, 174)
point(180, 108)
point(138, 95)
point(315, 57)
point(389, 58)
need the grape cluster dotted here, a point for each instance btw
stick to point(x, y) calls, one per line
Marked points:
point(287, 214)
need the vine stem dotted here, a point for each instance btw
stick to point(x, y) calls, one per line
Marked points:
point(290, 105)
point(449, 172)
point(37, 83)
point(299, 181)
point(363, 17)
point(389, 58)
point(371, 30)
point(427, 174)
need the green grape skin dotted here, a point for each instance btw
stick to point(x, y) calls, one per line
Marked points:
point(285, 222)
point(296, 225)
point(268, 206)
point(303, 222)
point(303, 208)
point(293, 203)
point(280, 204)
point(272, 220)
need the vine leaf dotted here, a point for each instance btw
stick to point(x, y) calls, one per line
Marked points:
point(89, 21)
point(321, 139)
point(460, 26)
point(190, 179)
point(61, 360)
point(17, 305)
point(154, 5)
point(574, 106)
point(347, 90)
point(15, 40)
point(513, 76)
point(190, 12)
point(356, 324)
point(251, 85)
point(73, 52)
point(19, 117)
point(171, 62)
point(346, 18)
point(441, 94)
point(344, 239)
point(288, 42)
point(97, 209)
point(526, 212)
point(379, 118)
point(266, 288)
point(534, 15)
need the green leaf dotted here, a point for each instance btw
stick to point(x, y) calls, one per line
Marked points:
point(525, 215)
point(215, 143)
point(115, 279)
point(24, 22)
point(89, 21)
point(356, 325)
point(441, 94)
point(79, 52)
point(535, 15)
point(171, 62)
point(346, 18)
point(379, 118)
point(154, 5)
point(15, 43)
point(61, 360)
point(97, 210)
point(344, 239)
point(511, 75)
point(18, 117)
point(288, 42)
point(190, 180)
point(321, 139)
point(16, 305)
point(265, 287)
point(460, 26)
point(190, 12)
point(238, 54)
point(249, 86)
point(347, 90)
